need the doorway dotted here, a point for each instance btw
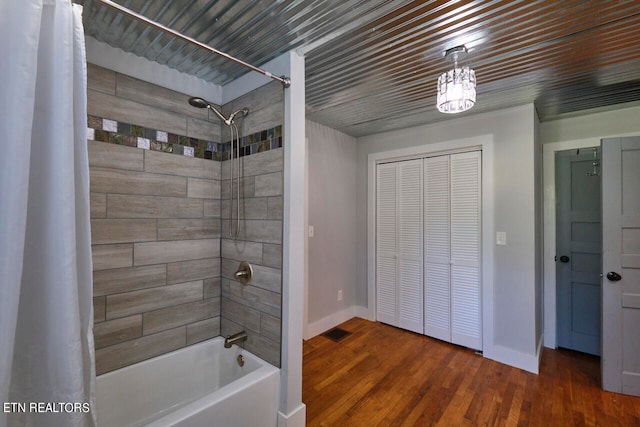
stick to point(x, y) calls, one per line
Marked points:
point(620, 360)
point(578, 249)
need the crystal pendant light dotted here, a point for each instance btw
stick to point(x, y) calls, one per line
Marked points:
point(456, 87)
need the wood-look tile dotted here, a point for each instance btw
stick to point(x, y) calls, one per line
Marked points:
point(267, 278)
point(187, 229)
point(173, 251)
point(107, 231)
point(252, 296)
point(203, 330)
point(250, 208)
point(106, 155)
point(129, 352)
point(193, 270)
point(270, 327)
point(107, 282)
point(241, 250)
point(157, 96)
point(245, 316)
point(266, 108)
point(171, 317)
point(212, 288)
point(99, 309)
point(101, 79)
point(269, 184)
point(247, 187)
point(264, 231)
point(257, 164)
point(118, 330)
point(111, 256)
point(264, 348)
point(203, 188)
point(262, 97)
point(120, 109)
point(264, 118)
point(171, 164)
point(272, 255)
point(209, 130)
point(135, 302)
point(211, 208)
point(137, 206)
point(98, 205)
point(105, 180)
point(275, 207)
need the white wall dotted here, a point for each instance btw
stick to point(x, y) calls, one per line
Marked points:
point(517, 265)
point(622, 122)
point(332, 213)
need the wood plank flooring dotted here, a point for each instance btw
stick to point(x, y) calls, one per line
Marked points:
point(384, 376)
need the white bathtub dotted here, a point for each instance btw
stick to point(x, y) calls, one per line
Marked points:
point(199, 385)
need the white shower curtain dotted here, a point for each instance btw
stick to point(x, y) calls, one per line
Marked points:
point(47, 373)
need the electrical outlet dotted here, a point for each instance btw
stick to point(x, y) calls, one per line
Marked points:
point(340, 295)
point(501, 238)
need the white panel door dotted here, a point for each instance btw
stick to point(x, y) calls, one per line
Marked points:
point(437, 269)
point(466, 249)
point(410, 283)
point(621, 265)
point(386, 243)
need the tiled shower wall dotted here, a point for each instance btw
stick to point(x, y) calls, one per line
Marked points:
point(255, 308)
point(156, 225)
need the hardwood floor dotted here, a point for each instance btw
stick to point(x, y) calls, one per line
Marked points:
point(384, 376)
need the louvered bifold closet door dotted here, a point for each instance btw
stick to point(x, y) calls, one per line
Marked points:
point(466, 249)
point(437, 269)
point(386, 243)
point(399, 288)
point(410, 283)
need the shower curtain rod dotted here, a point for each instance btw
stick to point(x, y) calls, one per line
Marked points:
point(284, 80)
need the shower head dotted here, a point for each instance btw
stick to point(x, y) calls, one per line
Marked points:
point(199, 102)
point(202, 103)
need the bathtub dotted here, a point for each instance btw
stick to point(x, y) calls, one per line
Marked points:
point(199, 385)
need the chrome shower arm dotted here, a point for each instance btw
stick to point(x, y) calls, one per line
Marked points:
point(220, 116)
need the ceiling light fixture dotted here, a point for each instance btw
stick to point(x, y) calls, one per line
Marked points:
point(456, 87)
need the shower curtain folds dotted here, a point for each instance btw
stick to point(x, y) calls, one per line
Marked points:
point(47, 372)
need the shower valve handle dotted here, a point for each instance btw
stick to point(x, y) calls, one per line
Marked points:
point(244, 273)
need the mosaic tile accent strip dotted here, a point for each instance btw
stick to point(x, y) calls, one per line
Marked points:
point(255, 143)
point(114, 132)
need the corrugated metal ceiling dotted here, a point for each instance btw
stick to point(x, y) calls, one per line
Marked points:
point(372, 65)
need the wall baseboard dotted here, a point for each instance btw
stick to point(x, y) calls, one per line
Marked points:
point(364, 313)
point(517, 359)
point(297, 418)
point(326, 323)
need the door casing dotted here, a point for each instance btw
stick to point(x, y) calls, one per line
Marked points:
point(485, 143)
point(549, 226)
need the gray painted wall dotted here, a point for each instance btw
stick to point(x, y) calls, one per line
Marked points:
point(623, 121)
point(517, 266)
point(539, 197)
point(332, 213)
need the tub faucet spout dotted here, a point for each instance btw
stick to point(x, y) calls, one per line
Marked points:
point(234, 339)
